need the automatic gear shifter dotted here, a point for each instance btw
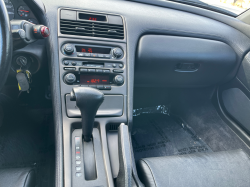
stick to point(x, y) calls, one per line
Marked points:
point(88, 100)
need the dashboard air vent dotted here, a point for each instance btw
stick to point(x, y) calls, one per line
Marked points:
point(91, 29)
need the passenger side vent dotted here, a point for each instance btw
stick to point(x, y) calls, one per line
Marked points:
point(91, 29)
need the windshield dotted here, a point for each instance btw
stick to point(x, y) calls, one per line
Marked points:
point(230, 7)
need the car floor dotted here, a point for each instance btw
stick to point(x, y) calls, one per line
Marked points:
point(26, 139)
point(198, 128)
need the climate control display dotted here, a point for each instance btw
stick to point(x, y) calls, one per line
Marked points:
point(94, 79)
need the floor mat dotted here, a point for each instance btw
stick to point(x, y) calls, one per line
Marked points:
point(25, 142)
point(212, 129)
point(156, 135)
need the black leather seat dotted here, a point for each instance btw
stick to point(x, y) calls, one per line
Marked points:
point(17, 177)
point(220, 169)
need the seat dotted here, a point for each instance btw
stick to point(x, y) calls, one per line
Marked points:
point(17, 177)
point(219, 169)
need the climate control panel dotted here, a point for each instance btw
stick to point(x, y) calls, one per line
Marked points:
point(102, 80)
point(92, 51)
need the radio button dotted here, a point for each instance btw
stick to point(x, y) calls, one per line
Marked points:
point(106, 55)
point(100, 55)
point(80, 54)
point(118, 71)
point(108, 65)
point(73, 63)
point(66, 62)
point(100, 87)
point(120, 65)
point(91, 70)
point(69, 68)
point(83, 70)
point(106, 71)
point(114, 65)
point(93, 55)
point(107, 87)
point(99, 71)
point(87, 54)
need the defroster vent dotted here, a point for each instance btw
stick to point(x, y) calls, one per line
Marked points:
point(91, 29)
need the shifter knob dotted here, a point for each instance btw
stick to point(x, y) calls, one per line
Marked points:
point(88, 100)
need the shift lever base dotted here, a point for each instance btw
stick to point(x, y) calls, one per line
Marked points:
point(86, 138)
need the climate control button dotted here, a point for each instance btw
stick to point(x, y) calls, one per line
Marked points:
point(70, 78)
point(119, 79)
point(117, 52)
point(68, 49)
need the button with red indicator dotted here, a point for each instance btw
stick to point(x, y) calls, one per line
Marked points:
point(44, 31)
point(40, 31)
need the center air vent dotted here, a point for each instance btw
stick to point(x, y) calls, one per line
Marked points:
point(91, 29)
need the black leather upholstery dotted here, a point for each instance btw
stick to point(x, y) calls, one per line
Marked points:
point(220, 169)
point(17, 177)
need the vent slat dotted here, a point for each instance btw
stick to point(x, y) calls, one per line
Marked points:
point(93, 29)
point(84, 23)
point(90, 23)
point(90, 26)
point(94, 35)
point(89, 30)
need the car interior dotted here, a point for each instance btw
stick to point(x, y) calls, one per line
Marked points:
point(124, 93)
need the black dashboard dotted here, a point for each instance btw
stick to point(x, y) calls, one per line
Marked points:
point(17, 9)
point(115, 46)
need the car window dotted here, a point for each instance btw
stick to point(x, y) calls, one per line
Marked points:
point(230, 7)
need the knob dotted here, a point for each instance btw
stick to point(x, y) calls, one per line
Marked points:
point(70, 78)
point(68, 49)
point(119, 79)
point(117, 52)
point(40, 31)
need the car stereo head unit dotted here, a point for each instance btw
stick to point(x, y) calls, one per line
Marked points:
point(88, 49)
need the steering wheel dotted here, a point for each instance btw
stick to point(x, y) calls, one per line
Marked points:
point(6, 45)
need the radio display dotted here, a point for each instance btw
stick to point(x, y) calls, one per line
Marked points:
point(92, 17)
point(86, 49)
point(94, 79)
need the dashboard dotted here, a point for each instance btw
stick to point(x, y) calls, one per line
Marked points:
point(17, 9)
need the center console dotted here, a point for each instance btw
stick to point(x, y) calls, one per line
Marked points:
point(92, 53)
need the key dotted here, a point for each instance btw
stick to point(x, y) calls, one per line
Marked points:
point(29, 76)
point(24, 80)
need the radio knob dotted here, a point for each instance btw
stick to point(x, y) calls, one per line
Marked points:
point(119, 79)
point(68, 49)
point(117, 52)
point(70, 78)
